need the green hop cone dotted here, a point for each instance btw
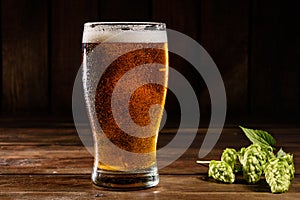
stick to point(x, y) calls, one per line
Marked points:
point(221, 171)
point(252, 169)
point(278, 176)
point(229, 155)
point(253, 160)
point(289, 158)
point(257, 151)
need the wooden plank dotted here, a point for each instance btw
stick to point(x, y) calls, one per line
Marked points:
point(149, 196)
point(67, 135)
point(30, 159)
point(1, 63)
point(182, 16)
point(76, 160)
point(67, 20)
point(39, 136)
point(45, 151)
point(33, 170)
point(224, 34)
point(178, 15)
point(274, 59)
point(45, 160)
point(125, 10)
point(170, 187)
point(24, 56)
point(46, 121)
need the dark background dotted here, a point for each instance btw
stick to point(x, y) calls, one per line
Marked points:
point(255, 44)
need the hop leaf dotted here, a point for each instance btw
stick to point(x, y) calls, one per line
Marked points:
point(260, 137)
point(278, 176)
point(221, 171)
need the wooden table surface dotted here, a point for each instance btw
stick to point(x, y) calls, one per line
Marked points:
point(48, 161)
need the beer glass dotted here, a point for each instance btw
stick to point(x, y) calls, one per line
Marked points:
point(125, 74)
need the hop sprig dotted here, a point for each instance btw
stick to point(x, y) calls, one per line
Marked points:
point(254, 161)
point(221, 171)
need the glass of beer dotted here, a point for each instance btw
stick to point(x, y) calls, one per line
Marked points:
point(125, 75)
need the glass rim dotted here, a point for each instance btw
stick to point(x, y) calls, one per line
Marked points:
point(125, 26)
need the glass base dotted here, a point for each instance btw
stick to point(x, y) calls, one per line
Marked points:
point(124, 180)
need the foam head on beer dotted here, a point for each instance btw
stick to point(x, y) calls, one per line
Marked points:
point(124, 33)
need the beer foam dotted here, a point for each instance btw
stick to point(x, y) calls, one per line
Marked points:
point(123, 34)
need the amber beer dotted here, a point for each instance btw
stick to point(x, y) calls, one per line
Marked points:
point(125, 72)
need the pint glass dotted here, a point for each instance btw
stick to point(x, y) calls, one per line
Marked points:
point(125, 74)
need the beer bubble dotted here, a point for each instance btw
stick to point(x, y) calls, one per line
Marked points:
point(194, 53)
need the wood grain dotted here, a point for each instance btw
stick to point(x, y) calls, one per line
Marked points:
point(24, 57)
point(50, 163)
point(274, 59)
point(181, 16)
point(67, 19)
point(125, 10)
point(189, 187)
point(224, 34)
point(255, 45)
point(59, 150)
point(45, 160)
point(178, 15)
point(42, 136)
